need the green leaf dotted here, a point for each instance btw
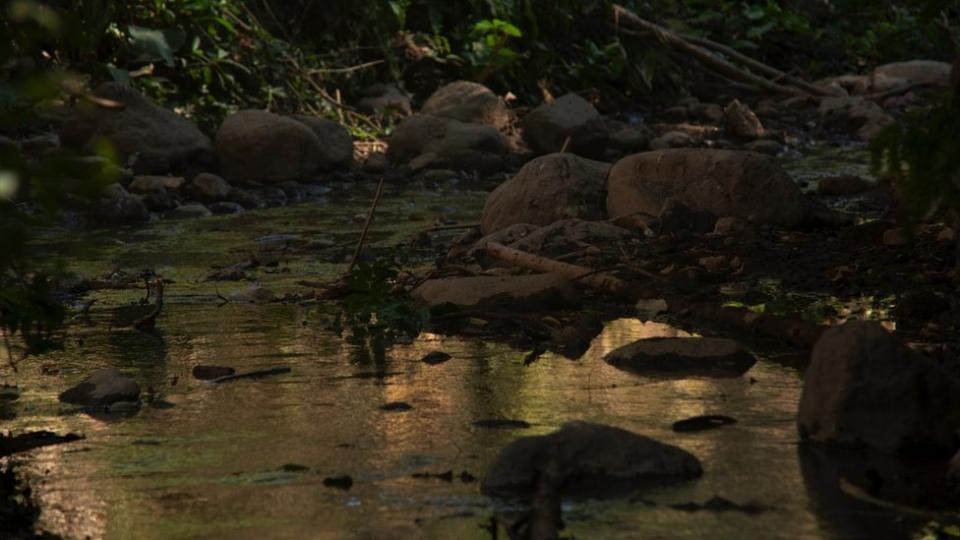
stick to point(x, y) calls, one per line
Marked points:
point(154, 45)
point(119, 75)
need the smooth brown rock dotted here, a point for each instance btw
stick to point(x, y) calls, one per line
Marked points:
point(722, 182)
point(547, 127)
point(866, 389)
point(681, 357)
point(101, 388)
point(548, 189)
point(469, 102)
point(153, 139)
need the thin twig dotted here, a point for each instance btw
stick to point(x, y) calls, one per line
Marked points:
point(345, 69)
point(366, 227)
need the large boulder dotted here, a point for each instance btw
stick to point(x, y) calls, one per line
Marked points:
point(336, 143)
point(592, 459)
point(722, 182)
point(153, 140)
point(444, 143)
point(259, 146)
point(547, 127)
point(101, 388)
point(548, 189)
point(673, 357)
point(512, 293)
point(854, 114)
point(865, 388)
point(469, 102)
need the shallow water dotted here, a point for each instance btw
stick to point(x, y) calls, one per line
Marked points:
point(212, 466)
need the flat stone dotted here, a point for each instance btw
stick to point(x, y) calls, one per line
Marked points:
point(680, 357)
point(522, 293)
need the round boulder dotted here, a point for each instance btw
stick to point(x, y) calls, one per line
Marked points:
point(469, 102)
point(152, 139)
point(722, 182)
point(548, 189)
point(547, 127)
point(594, 460)
point(259, 146)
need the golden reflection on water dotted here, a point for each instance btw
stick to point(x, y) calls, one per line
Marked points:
point(209, 466)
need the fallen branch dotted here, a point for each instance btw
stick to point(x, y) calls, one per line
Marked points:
point(573, 272)
point(726, 69)
point(258, 374)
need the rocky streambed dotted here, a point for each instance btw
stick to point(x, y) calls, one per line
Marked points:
point(640, 302)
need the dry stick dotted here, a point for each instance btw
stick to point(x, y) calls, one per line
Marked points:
point(366, 227)
point(566, 143)
point(339, 102)
point(756, 65)
point(709, 59)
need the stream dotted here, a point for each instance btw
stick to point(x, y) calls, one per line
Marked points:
point(248, 459)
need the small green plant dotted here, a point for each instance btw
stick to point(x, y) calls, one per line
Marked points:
point(374, 307)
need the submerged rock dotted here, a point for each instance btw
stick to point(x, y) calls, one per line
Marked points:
point(593, 459)
point(153, 140)
point(722, 182)
point(865, 388)
point(102, 388)
point(548, 189)
point(715, 357)
point(536, 292)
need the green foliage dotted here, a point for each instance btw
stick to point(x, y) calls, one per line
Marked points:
point(374, 307)
point(921, 152)
point(31, 189)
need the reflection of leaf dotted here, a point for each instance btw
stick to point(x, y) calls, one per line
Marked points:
point(154, 45)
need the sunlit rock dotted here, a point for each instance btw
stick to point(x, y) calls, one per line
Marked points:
point(102, 387)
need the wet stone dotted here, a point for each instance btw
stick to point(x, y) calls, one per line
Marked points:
point(102, 387)
point(702, 423)
point(343, 482)
point(206, 373)
point(435, 357)
point(396, 406)
point(596, 460)
point(681, 357)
